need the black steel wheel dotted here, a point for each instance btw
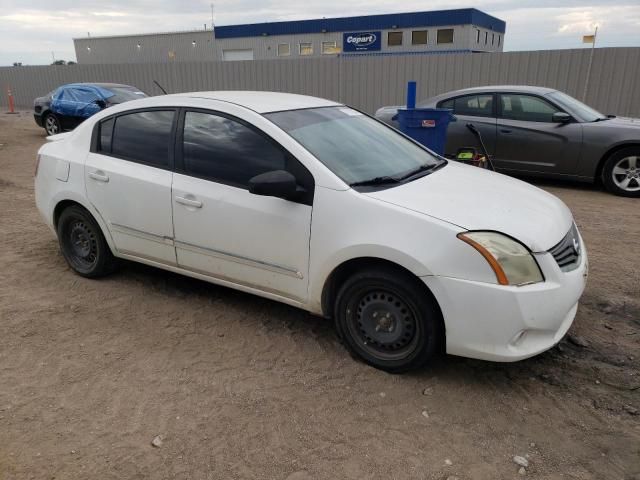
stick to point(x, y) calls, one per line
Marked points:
point(388, 319)
point(52, 124)
point(82, 243)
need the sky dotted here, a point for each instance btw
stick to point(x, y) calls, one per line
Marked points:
point(36, 31)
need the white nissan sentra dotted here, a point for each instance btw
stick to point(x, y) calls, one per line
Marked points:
point(314, 204)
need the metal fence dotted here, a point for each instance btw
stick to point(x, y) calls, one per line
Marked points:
point(366, 82)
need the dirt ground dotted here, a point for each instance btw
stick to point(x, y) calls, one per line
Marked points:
point(241, 387)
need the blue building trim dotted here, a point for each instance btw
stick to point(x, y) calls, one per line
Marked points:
point(463, 16)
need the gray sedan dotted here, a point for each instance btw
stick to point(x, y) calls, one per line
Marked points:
point(543, 132)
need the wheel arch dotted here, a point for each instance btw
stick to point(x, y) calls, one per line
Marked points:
point(607, 155)
point(64, 203)
point(348, 267)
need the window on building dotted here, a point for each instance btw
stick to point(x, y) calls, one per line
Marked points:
point(394, 39)
point(499, 38)
point(236, 55)
point(143, 137)
point(419, 37)
point(477, 36)
point(471, 105)
point(329, 48)
point(493, 39)
point(284, 49)
point(445, 35)
point(526, 108)
point(224, 150)
point(486, 37)
point(306, 48)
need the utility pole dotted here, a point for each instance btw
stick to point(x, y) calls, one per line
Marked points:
point(586, 81)
point(212, 21)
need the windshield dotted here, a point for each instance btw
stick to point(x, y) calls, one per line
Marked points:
point(576, 107)
point(124, 94)
point(354, 146)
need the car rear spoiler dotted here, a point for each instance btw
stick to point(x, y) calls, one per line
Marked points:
point(58, 136)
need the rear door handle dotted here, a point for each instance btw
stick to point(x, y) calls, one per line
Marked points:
point(189, 202)
point(505, 130)
point(99, 176)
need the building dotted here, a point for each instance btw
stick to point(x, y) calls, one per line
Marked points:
point(461, 30)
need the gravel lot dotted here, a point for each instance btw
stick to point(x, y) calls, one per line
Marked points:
point(240, 387)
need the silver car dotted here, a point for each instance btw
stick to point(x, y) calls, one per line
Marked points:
point(542, 132)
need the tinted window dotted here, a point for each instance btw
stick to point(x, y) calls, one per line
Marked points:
point(526, 108)
point(144, 137)
point(225, 150)
point(472, 105)
point(106, 130)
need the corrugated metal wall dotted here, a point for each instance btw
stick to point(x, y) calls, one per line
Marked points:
point(366, 82)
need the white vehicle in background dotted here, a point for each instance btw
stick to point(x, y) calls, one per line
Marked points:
point(311, 203)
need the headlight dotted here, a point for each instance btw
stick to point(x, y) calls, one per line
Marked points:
point(511, 261)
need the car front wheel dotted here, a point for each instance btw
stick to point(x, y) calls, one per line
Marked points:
point(621, 172)
point(52, 124)
point(388, 319)
point(82, 243)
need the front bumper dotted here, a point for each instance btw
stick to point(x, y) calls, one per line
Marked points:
point(505, 323)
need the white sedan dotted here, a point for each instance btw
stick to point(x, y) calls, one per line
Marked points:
point(314, 204)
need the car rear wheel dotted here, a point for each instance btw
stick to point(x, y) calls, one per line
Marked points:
point(388, 319)
point(621, 172)
point(52, 124)
point(82, 243)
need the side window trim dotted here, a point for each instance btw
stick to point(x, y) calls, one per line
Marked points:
point(535, 95)
point(494, 110)
point(95, 136)
point(179, 166)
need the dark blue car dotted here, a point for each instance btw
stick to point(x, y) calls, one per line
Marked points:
point(69, 105)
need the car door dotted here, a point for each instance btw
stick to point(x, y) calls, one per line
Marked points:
point(128, 180)
point(477, 109)
point(224, 231)
point(529, 140)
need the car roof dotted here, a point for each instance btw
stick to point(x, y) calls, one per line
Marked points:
point(100, 84)
point(262, 102)
point(496, 88)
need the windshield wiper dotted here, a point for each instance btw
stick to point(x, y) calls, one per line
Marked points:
point(601, 119)
point(420, 169)
point(375, 181)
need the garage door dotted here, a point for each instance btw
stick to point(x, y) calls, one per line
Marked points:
point(234, 55)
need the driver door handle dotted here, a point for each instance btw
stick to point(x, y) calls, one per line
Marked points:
point(99, 176)
point(189, 202)
point(505, 130)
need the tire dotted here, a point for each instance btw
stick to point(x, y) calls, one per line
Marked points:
point(52, 124)
point(621, 172)
point(83, 245)
point(387, 319)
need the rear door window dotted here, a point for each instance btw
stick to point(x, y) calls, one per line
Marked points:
point(472, 105)
point(143, 137)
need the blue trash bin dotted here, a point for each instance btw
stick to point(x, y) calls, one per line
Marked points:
point(427, 126)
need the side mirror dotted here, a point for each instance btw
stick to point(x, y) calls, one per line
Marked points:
point(561, 117)
point(278, 183)
point(101, 103)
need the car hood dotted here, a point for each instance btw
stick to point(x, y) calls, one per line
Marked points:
point(477, 199)
point(618, 122)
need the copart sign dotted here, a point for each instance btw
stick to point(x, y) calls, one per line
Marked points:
point(361, 41)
